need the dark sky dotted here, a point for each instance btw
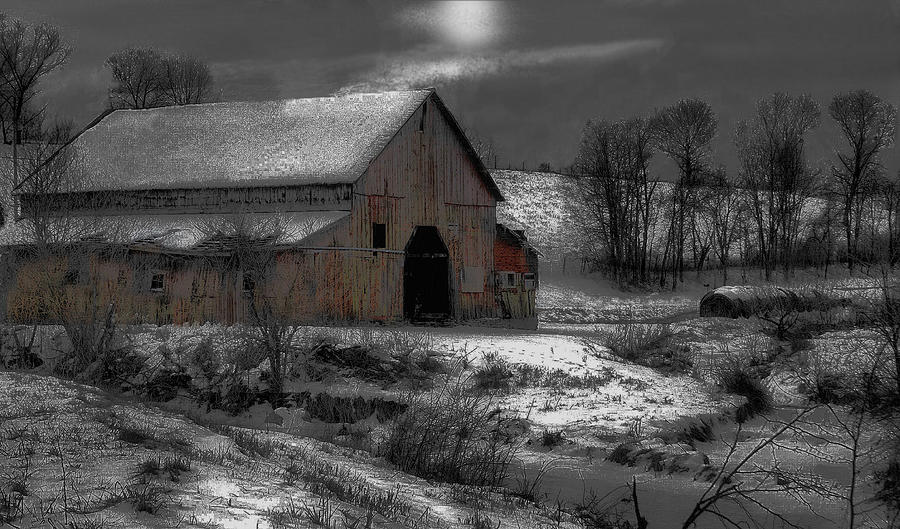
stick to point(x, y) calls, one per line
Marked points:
point(526, 74)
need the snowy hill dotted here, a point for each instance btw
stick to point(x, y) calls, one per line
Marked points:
point(538, 203)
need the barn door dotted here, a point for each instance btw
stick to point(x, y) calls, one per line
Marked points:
point(426, 276)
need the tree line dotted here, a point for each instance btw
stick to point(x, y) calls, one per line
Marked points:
point(775, 212)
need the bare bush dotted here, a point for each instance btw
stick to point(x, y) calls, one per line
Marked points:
point(451, 435)
point(652, 345)
point(494, 373)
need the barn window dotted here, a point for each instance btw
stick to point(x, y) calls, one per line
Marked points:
point(157, 281)
point(529, 281)
point(506, 279)
point(379, 235)
point(249, 285)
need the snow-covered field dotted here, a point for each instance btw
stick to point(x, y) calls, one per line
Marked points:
point(74, 454)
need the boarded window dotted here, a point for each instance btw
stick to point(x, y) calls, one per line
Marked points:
point(472, 279)
point(157, 282)
point(379, 235)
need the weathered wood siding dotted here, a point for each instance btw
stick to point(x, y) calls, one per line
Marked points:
point(425, 177)
point(198, 289)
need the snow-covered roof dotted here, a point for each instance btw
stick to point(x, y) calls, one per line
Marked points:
point(185, 232)
point(236, 144)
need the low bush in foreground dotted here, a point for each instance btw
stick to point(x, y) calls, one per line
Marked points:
point(651, 345)
point(736, 377)
point(450, 435)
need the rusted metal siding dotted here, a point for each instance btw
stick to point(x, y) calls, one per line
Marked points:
point(426, 178)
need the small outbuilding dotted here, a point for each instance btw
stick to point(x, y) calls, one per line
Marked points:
point(746, 301)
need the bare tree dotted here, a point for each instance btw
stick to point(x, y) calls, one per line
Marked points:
point(616, 196)
point(888, 190)
point(886, 320)
point(186, 80)
point(484, 147)
point(252, 247)
point(723, 207)
point(30, 123)
point(138, 77)
point(27, 54)
point(683, 132)
point(48, 275)
point(774, 170)
point(742, 483)
point(146, 78)
point(867, 125)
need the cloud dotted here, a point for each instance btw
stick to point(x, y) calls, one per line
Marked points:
point(416, 71)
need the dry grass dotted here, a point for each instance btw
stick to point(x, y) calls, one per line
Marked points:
point(450, 435)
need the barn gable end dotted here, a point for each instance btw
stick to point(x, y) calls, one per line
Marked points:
point(428, 176)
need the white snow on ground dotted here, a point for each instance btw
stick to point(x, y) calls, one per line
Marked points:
point(632, 399)
point(77, 468)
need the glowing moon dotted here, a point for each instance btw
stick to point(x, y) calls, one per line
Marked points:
point(461, 23)
point(469, 23)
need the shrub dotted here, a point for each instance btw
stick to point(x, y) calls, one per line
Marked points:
point(888, 480)
point(252, 443)
point(127, 430)
point(151, 466)
point(736, 377)
point(651, 345)
point(148, 498)
point(531, 376)
point(163, 386)
point(631, 341)
point(827, 387)
point(691, 430)
point(204, 358)
point(237, 398)
point(450, 435)
point(552, 438)
point(494, 373)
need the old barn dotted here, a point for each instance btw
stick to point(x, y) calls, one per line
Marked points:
point(383, 210)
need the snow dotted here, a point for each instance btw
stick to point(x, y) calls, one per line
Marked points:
point(267, 143)
point(178, 231)
point(593, 420)
point(539, 204)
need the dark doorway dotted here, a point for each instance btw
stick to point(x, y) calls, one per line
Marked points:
point(426, 276)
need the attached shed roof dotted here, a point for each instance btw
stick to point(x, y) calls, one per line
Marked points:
point(236, 144)
point(202, 233)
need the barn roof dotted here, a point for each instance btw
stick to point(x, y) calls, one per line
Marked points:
point(203, 233)
point(236, 144)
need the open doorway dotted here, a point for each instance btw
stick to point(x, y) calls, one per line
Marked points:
point(426, 276)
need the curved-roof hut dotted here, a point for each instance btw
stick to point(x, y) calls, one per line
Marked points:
point(745, 301)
